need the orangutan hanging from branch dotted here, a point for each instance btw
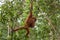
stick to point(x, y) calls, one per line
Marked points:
point(30, 20)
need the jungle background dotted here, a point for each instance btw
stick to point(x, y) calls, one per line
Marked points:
point(14, 12)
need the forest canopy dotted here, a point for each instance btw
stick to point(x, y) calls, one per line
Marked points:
point(13, 13)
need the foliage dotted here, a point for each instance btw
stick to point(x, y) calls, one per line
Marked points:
point(13, 14)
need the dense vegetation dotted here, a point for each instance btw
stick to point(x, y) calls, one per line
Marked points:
point(13, 14)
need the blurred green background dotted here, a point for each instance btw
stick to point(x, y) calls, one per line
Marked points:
point(14, 12)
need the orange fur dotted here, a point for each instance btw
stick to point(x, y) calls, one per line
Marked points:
point(30, 22)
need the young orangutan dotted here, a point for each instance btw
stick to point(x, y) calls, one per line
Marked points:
point(30, 22)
